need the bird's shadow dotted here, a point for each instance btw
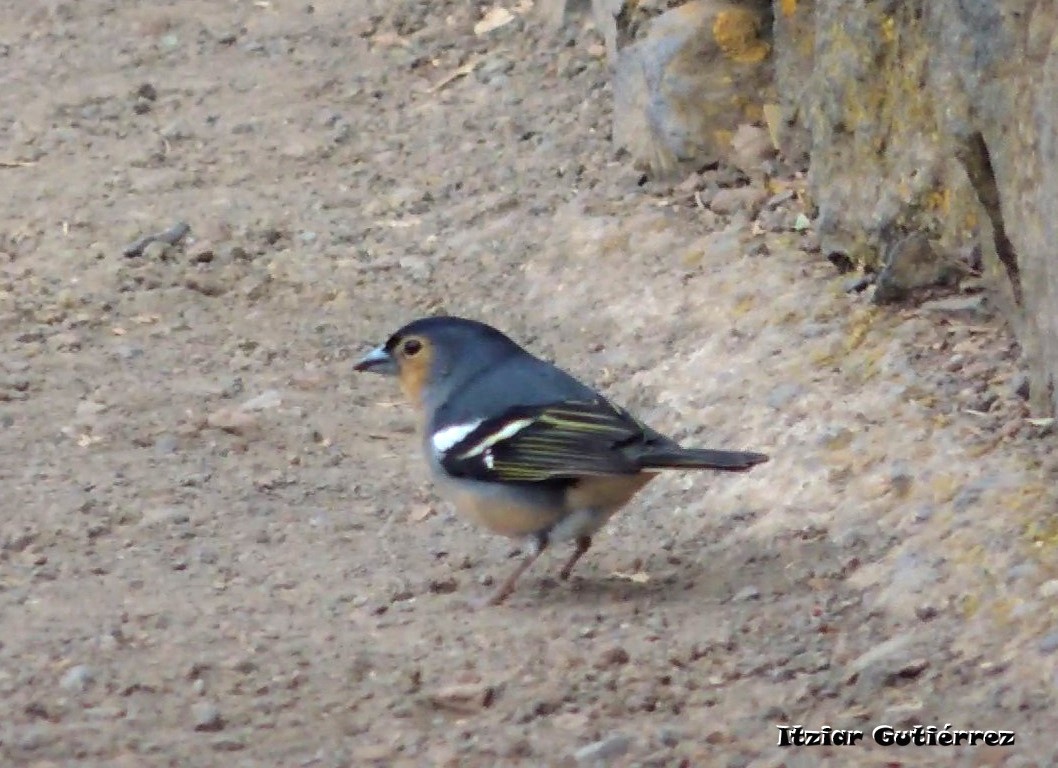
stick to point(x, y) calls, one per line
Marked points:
point(654, 584)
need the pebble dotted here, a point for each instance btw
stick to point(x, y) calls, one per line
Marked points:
point(156, 250)
point(1021, 571)
point(234, 252)
point(1049, 644)
point(783, 395)
point(88, 408)
point(604, 751)
point(968, 306)
point(207, 717)
point(1048, 589)
point(670, 737)
point(750, 147)
point(227, 744)
point(28, 337)
point(207, 555)
point(417, 267)
point(774, 220)
point(237, 421)
point(33, 738)
point(745, 594)
point(166, 444)
point(176, 131)
point(881, 665)
point(858, 283)
point(1020, 385)
point(202, 252)
point(128, 351)
point(613, 657)
point(445, 586)
point(728, 201)
point(206, 285)
point(270, 398)
point(77, 678)
point(164, 516)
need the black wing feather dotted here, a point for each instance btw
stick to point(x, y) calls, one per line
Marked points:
point(534, 444)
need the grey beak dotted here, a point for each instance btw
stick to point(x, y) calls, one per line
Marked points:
point(378, 360)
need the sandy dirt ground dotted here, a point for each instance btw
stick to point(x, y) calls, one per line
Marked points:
point(218, 545)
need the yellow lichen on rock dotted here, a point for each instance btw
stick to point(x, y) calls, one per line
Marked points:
point(737, 33)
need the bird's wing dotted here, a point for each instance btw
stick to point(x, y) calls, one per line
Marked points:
point(540, 443)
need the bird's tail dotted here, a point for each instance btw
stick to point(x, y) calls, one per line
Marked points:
point(701, 458)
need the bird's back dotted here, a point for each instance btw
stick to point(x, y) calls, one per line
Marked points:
point(517, 380)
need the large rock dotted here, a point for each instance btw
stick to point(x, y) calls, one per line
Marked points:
point(937, 117)
point(681, 90)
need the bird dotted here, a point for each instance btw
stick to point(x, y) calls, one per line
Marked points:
point(521, 447)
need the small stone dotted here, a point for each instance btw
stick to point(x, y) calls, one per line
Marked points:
point(605, 751)
point(911, 263)
point(156, 250)
point(1023, 570)
point(166, 445)
point(783, 395)
point(270, 398)
point(1049, 644)
point(734, 199)
point(164, 516)
point(417, 267)
point(34, 738)
point(233, 252)
point(202, 252)
point(207, 717)
point(128, 352)
point(175, 131)
point(1020, 385)
point(968, 306)
point(613, 657)
point(147, 91)
point(464, 698)
point(444, 586)
point(858, 283)
point(234, 420)
point(670, 737)
point(207, 286)
point(810, 242)
point(1048, 589)
point(883, 664)
point(67, 341)
point(750, 147)
point(746, 594)
point(77, 678)
point(86, 409)
point(773, 221)
point(227, 744)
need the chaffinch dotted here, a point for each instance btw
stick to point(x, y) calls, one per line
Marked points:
point(520, 446)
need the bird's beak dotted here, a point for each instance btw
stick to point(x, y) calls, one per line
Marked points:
point(378, 360)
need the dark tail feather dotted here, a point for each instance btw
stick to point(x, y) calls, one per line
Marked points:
point(701, 458)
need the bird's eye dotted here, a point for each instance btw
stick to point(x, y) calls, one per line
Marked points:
point(411, 347)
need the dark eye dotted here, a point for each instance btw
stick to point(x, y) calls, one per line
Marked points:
point(411, 347)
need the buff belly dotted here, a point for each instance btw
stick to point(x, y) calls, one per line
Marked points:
point(567, 513)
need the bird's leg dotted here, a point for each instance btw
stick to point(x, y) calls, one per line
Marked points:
point(583, 544)
point(537, 544)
